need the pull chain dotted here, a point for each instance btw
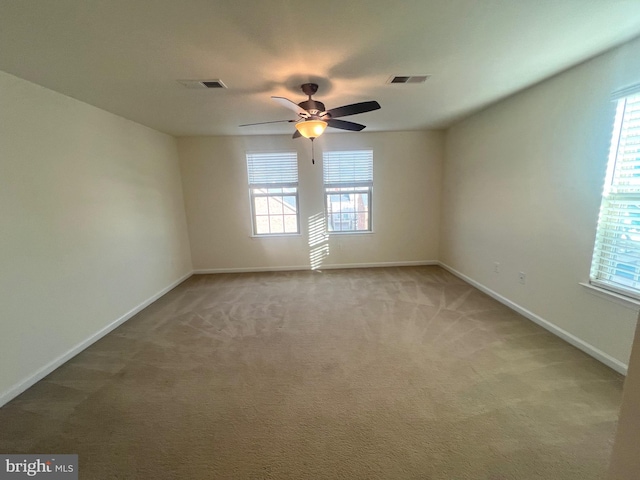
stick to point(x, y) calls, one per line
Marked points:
point(313, 161)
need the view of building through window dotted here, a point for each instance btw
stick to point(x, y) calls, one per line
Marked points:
point(275, 210)
point(347, 208)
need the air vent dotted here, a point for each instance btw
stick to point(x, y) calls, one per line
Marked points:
point(216, 83)
point(408, 79)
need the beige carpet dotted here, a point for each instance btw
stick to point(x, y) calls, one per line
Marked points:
point(390, 373)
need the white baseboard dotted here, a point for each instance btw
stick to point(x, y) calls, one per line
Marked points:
point(205, 271)
point(21, 386)
point(408, 263)
point(589, 349)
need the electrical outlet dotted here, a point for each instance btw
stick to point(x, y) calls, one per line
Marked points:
point(496, 267)
point(522, 278)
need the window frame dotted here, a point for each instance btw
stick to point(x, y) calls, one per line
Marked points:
point(273, 181)
point(615, 264)
point(362, 183)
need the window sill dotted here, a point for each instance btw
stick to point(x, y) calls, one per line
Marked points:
point(277, 235)
point(627, 302)
point(362, 232)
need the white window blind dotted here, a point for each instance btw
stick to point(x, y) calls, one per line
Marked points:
point(616, 256)
point(353, 168)
point(266, 169)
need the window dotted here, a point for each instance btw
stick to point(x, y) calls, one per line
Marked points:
point(348, 181)
point(616, 256)
point(273, 187)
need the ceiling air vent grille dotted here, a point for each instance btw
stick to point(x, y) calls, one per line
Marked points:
point(408, 79)
point(215, 83)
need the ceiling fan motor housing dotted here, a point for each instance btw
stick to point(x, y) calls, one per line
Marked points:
point(312, 106)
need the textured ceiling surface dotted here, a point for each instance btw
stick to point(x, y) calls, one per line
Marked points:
point(126, 56)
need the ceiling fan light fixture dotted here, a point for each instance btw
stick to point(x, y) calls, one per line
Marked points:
point(311, 128)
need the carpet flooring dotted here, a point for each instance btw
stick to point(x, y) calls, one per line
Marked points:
point(381, 373)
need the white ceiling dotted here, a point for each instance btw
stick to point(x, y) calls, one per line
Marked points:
point(126, 56)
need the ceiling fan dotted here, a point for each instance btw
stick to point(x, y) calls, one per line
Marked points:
point(313, 118)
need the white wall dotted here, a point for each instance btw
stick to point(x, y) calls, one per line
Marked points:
point(405, 211)
point(92, 220)
point(522, 185)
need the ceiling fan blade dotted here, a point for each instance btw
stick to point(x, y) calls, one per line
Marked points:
point(297, 134)
point(264, 123)
point(353, 109)
point(286, 103)
point(344, 125)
